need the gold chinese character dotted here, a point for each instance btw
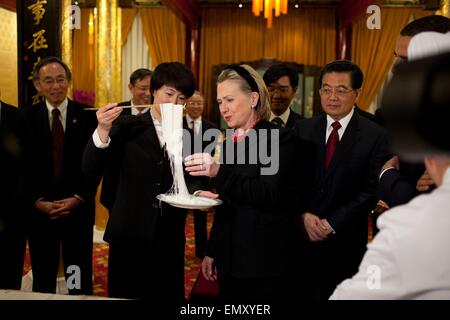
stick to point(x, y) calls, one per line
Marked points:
point(38, 10)
point(34, 66)
point(37, 98)
point(39, 41)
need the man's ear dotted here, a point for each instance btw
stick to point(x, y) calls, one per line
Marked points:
point(358, 93)
point(37, 85)
point(130, 86)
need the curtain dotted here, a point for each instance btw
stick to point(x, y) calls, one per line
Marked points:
point(83, 61)
point(134, 55)
point(165, 34)
point(231, 35)
point(373, 50)
point(127, 21)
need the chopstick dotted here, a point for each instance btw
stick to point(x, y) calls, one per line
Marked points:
point(128, 107)
point(136, 106)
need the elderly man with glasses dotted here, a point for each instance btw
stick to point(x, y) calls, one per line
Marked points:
point(61, 215)
point(348, 151)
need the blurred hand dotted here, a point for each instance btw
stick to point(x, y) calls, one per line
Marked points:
point(209, 270)
point(315, 227)
point(208, 194)
point(424, 182)
point(201, 164)
point(105, 117)
point(391, 163)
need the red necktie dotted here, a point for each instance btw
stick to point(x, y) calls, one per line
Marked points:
point(332, 142)
point(58, 143)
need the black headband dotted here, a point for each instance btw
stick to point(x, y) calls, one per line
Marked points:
point(244, 74)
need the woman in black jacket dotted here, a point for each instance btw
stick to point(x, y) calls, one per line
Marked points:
point(252, 246)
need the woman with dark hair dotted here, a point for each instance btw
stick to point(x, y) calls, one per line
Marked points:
point(146, 238)
point(252, 246)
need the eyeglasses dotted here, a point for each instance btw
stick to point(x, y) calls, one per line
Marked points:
point(195, 103)
point(339, 91)
point(51, 81)
point(280, 89)
point(142, 88)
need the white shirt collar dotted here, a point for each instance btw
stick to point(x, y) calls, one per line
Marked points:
point(136, 111)
point(189, 119)
point(344, 123)
point(284, 116)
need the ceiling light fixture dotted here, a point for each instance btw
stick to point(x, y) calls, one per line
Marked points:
point(280, 6)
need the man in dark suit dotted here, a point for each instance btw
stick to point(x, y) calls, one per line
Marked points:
point(282, 82)
point(62, 212)
point(139, 87)
point(399, 179)
point(12, 235)
point(349, 151)
point(197, 126)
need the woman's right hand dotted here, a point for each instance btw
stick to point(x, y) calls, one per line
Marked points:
point(209, 270)
point(105, 117)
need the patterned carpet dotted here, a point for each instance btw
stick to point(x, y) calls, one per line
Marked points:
point(100, 256)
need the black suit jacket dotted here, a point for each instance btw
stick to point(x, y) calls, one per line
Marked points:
point(125, 112)
point(144, 172)
point(294, 117)
point(110, 177)
point(253, 234)
point(80, 125)
point(13, 188)
point(12, 198)
point(345, 193)
point(397, 187)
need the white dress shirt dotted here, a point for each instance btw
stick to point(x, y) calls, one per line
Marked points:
point(284, 116)
point(197, 123)
point(410, 257)
point(343, 122)
point(136, 111)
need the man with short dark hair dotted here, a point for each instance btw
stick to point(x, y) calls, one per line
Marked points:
point(349, 150)
point(139, 87)
point(62, 212)
point(408, 259)
point(282, 82)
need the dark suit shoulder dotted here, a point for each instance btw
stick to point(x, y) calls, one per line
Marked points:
point(125, 112)
point(7, 108)
point(206, 124)
point(285, 133)
point(370, 125)
point(9, 116)
point(367, 115)
point(305, 127)
point(124, 103)
point(294, 117)
point(31, 112)
point(78, 105)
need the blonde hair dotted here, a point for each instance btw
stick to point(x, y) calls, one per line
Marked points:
point(262, 108)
